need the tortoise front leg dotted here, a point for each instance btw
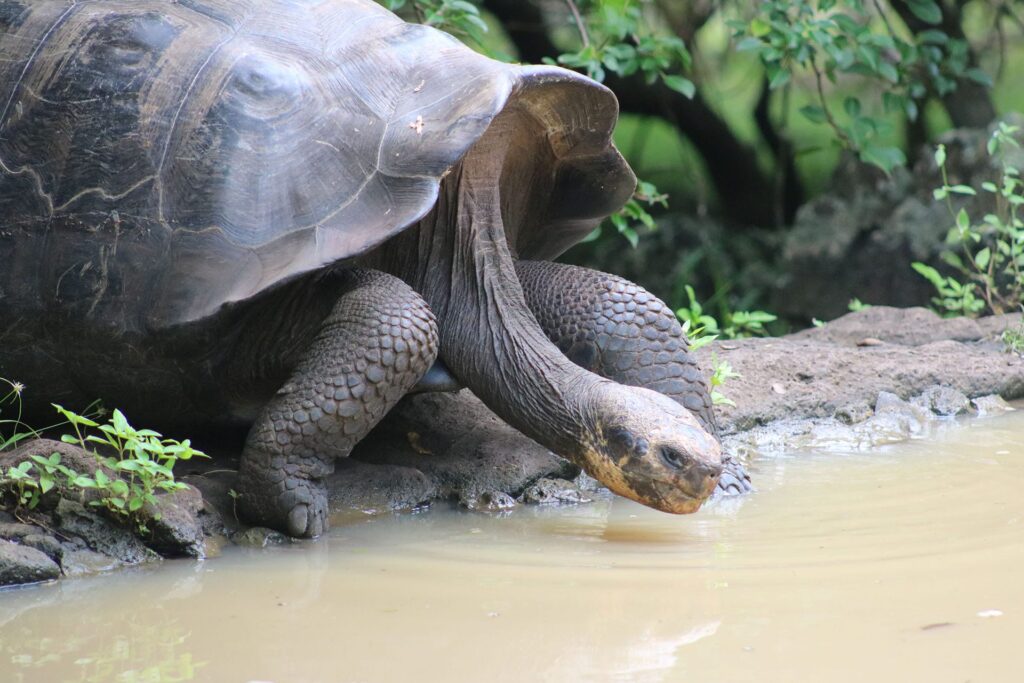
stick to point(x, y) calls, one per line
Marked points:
point(378, 341)
point(621, 331)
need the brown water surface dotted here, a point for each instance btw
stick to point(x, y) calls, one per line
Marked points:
point(901, 564)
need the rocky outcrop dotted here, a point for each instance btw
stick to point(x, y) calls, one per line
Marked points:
point(76, 536)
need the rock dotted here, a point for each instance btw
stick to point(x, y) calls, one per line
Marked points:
point(259, 537)
point(15, 531)
point(547, 491)
point(855, 412)
point(941, 400)
point(6, 517)
point(911, 418)
point(828, 376)
point(46, 544)
point(217, 516)
point(990, 405)
point(174, 526)
point(102, 535)
point(879, 325)
point(488, 501)
point(20, 564)
point(80, 561)
point(361, 486)
point(461, 448)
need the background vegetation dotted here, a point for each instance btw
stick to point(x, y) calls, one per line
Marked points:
point(736, 114)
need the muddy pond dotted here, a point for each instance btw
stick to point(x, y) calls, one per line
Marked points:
point(899, 564)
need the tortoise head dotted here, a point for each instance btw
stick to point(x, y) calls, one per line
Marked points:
point(645, 446)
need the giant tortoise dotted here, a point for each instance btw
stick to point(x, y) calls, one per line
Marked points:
point(281, 213)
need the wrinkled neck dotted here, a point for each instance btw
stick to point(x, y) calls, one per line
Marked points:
point(489, 338)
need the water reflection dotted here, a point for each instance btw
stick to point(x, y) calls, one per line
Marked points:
point(837, 555)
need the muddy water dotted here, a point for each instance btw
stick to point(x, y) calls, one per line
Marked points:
point(902, 564)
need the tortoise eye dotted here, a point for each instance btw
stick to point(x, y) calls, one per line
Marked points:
point(673, 458)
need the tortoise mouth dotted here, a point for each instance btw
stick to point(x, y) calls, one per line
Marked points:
point(678, 493)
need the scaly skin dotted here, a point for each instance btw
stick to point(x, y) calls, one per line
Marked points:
point(375, 345)
point(619, 330)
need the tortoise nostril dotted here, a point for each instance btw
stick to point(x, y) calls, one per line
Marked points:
point(703, 476)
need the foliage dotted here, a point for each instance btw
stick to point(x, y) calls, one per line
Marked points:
point(857, 305)
point(1013, 338)
point(458, 17)
point(617, 36)
point(140, 461)
point(721, 372)
point(30, 479)
point(989, 253)
point(703, 328)
point(828, 39)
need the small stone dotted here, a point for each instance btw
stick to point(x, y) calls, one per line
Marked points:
point(870, 341)
point(46, 544)
point(488, 501)
point(85, 561)
point(990, 405)
point(258, 537)
point(778, 388)
point(945, 401)
point(15, 531)
point(20, 564)
point(989, 613)
point(547, 491)
point(854, 413)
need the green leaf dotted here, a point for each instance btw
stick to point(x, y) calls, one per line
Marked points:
point(45, 482)
point(120, 422)
point(963, 189)
point(852, 107)
point(813, 113)
point(135, 503)
point(683, 86)
point(929, 274)
point(963, 221)
point(927, 11)
point(780, 78)
point(759, 27)
point(978, 76)
point(888, 72)
point(749, 44)
point(885, 158)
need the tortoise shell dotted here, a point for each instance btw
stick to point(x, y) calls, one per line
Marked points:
point(160, 160)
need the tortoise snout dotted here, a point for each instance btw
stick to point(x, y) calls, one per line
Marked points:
point(702, 477)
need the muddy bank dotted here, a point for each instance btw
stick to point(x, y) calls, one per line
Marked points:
point(872, 377)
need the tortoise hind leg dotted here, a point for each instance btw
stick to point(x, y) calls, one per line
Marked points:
point(621, 331)
point(377, 342)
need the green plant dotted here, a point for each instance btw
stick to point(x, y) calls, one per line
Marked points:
point(721, 372)
point(1013, 338)
point(31, 478)
point(857, 305)
point(141, 459)
point(990, 253)
point(702, 328)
